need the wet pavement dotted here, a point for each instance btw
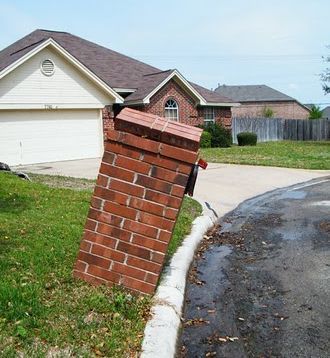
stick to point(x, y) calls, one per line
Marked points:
point(259, 285)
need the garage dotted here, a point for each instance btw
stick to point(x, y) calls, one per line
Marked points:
point(50, 105)
point(38, 136)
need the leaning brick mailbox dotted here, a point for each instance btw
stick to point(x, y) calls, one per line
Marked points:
point(137, 197)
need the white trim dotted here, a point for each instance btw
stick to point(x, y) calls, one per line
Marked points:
point(219, 104)
point(49, 106)
point(208, 120)
point(176, 108)
point(176, 73)
point(69, 57)
point(132, 103)
point(124, 90)
point(101, 130)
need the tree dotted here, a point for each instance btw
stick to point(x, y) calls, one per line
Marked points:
point(315, 113)
point(325, 76)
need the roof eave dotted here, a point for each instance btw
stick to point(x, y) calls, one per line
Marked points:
point(175, 73)
point(124, 90)
point(267, 100)
point(221, 104)
point(132, 103)
point(301, 104)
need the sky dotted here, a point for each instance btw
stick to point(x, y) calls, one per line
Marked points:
point(239, 42)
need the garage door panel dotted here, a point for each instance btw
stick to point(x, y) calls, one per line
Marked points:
point(43, 136)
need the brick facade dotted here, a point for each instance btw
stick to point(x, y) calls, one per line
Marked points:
point(286, 110)
point(108, 119)
point(189, 113)
point(136, 200)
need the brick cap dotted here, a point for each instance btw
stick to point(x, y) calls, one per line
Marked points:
point(153, 146)
point(158, 128)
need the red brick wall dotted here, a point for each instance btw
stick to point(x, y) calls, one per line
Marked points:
point(222, 115)
point(135, 203)
point(286, 110)
point(108, 117)
point(189, 113)
point(187, 107)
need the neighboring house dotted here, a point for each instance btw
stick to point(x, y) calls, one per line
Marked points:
point(59, 93)
point(326, 113)
point(256, 100)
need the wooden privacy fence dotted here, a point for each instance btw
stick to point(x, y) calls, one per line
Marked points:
point(274, 129)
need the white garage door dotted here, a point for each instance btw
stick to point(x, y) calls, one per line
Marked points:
point(28, 137)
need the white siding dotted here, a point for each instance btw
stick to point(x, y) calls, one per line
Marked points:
point(28, 87)
point(28, 137)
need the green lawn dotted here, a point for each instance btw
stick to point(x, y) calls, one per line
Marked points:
point(190, 210)
point(43, 310)
point(289, 154)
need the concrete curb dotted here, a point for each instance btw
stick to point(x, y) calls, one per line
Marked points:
point(161, 332)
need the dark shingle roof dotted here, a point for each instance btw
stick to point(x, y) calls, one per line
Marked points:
point(113, 68)
point(252, 93)
point(151, 81)
point(211, 96)
point(326, 112)
point(147, 84)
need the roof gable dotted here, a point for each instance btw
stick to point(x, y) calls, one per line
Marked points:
point(113, 69)
point(29, 51)
point(27, 87)
point(153, 82)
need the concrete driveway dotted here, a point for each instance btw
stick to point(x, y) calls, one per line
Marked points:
point(221, 187)
point(84, 168)
point(224, 186)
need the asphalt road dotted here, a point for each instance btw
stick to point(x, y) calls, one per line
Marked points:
point(260, 283)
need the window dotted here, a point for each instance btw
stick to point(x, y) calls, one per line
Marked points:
point(208, 115)
point(171, 110)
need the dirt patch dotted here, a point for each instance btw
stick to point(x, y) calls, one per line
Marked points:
point(55, 181)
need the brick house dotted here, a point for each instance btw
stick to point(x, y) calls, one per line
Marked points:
point(256, 99)
point(59, 90)
point(169, 94)
point(174, 101)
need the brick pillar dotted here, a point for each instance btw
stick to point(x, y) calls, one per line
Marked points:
point(136, 200)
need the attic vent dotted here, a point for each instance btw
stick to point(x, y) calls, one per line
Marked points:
point(47, 67)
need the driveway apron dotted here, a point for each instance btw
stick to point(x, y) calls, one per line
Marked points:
point(259, 285)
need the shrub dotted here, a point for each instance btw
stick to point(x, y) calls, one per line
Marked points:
point(206, 139)
point(246, 138)
point(267, 112)
point(220, 136)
